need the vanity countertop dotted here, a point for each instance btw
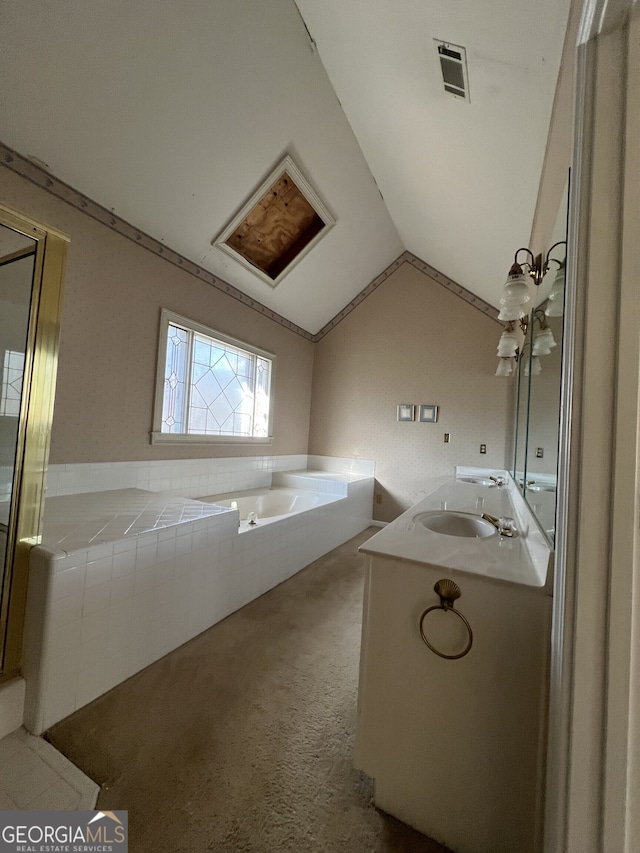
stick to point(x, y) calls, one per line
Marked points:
point(524, 559)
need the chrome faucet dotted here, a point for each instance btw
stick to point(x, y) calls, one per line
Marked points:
point(499, 481)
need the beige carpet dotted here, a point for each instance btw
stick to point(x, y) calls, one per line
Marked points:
point(241, 740)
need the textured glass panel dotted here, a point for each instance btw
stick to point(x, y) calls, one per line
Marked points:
point(199, 370)
point(197, 419)
point(261, 408)
point(12, 374)
point(244, 366)
point(209, 387)
point(201, 350)
point(197, 399)
point(217, 352)
point(234, 393)
point(173, 408)
point(224, 372)
point(228, 388)
point(221, 409)
point(241, 424)
point(232, 359)
point(246, 404)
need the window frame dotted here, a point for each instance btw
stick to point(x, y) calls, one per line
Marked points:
point(159, 437)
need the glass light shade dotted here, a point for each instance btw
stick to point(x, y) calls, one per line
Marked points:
point(507, 345)
point(536, 367)
point(509, 312)
point(516, 290)
point(555, 308)
point(555, 304)
point(543, 342)
point(505, 367)
point(557, 288)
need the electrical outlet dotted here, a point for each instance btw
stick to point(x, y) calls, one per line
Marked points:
point(378, 499)
point(540, 453)
point(447, 438)
point(483, 448)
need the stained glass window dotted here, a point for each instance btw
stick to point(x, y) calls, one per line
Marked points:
point(214, 387)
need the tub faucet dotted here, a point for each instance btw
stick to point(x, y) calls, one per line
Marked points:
point(499, 481)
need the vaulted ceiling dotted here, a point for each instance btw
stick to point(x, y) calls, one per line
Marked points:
point(173, 113)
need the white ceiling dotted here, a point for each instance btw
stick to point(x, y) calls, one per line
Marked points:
point(172, 112)
point(460, 179)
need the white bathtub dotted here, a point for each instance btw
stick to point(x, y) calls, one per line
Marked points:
point(269, 505)
point(122, 577)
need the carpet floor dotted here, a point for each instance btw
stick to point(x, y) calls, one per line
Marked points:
point(241, 740)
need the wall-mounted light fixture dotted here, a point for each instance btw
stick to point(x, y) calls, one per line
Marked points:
point(515, 308)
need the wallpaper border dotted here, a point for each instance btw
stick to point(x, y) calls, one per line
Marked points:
point(36, 174)
point(437, 276)
point(31, 171)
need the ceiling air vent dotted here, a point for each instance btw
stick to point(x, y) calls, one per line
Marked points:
point(453, 64)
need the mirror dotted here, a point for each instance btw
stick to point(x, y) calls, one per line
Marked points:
point(539, 384)
point(522, 416)
point(543, 431)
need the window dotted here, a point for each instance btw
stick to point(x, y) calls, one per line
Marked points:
point(12, 374)
point(210, 387)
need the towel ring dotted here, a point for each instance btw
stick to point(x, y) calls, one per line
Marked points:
point(448, 592)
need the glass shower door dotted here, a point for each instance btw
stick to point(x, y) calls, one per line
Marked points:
point(17, 266)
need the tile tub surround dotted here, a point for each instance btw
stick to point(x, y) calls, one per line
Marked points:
point(186, 477)
point(101, 518)
point(98, 614)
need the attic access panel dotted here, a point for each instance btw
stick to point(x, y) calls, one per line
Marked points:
point(277, 226)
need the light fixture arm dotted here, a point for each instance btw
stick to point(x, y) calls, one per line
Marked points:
point(539, 315)
point(536, 266)
point(529, 252)
point(549, 258)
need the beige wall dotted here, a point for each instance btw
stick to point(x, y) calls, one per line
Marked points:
point(109, 333)
point(411, 341)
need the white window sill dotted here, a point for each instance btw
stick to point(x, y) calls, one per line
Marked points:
point(183, 438)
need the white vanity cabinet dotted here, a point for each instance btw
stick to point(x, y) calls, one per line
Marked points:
point(456, 747)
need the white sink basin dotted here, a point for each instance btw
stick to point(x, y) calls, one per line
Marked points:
point(451, 523)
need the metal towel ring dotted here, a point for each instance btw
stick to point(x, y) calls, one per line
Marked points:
point(448, 592)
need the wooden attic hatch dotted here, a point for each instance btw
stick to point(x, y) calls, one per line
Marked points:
point(277, 226)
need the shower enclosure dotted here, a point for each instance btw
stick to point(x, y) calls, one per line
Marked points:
point(32, 258)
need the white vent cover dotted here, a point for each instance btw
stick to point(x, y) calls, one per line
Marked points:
point(453, 64)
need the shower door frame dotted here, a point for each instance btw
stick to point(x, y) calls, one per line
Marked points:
point(34, 429)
